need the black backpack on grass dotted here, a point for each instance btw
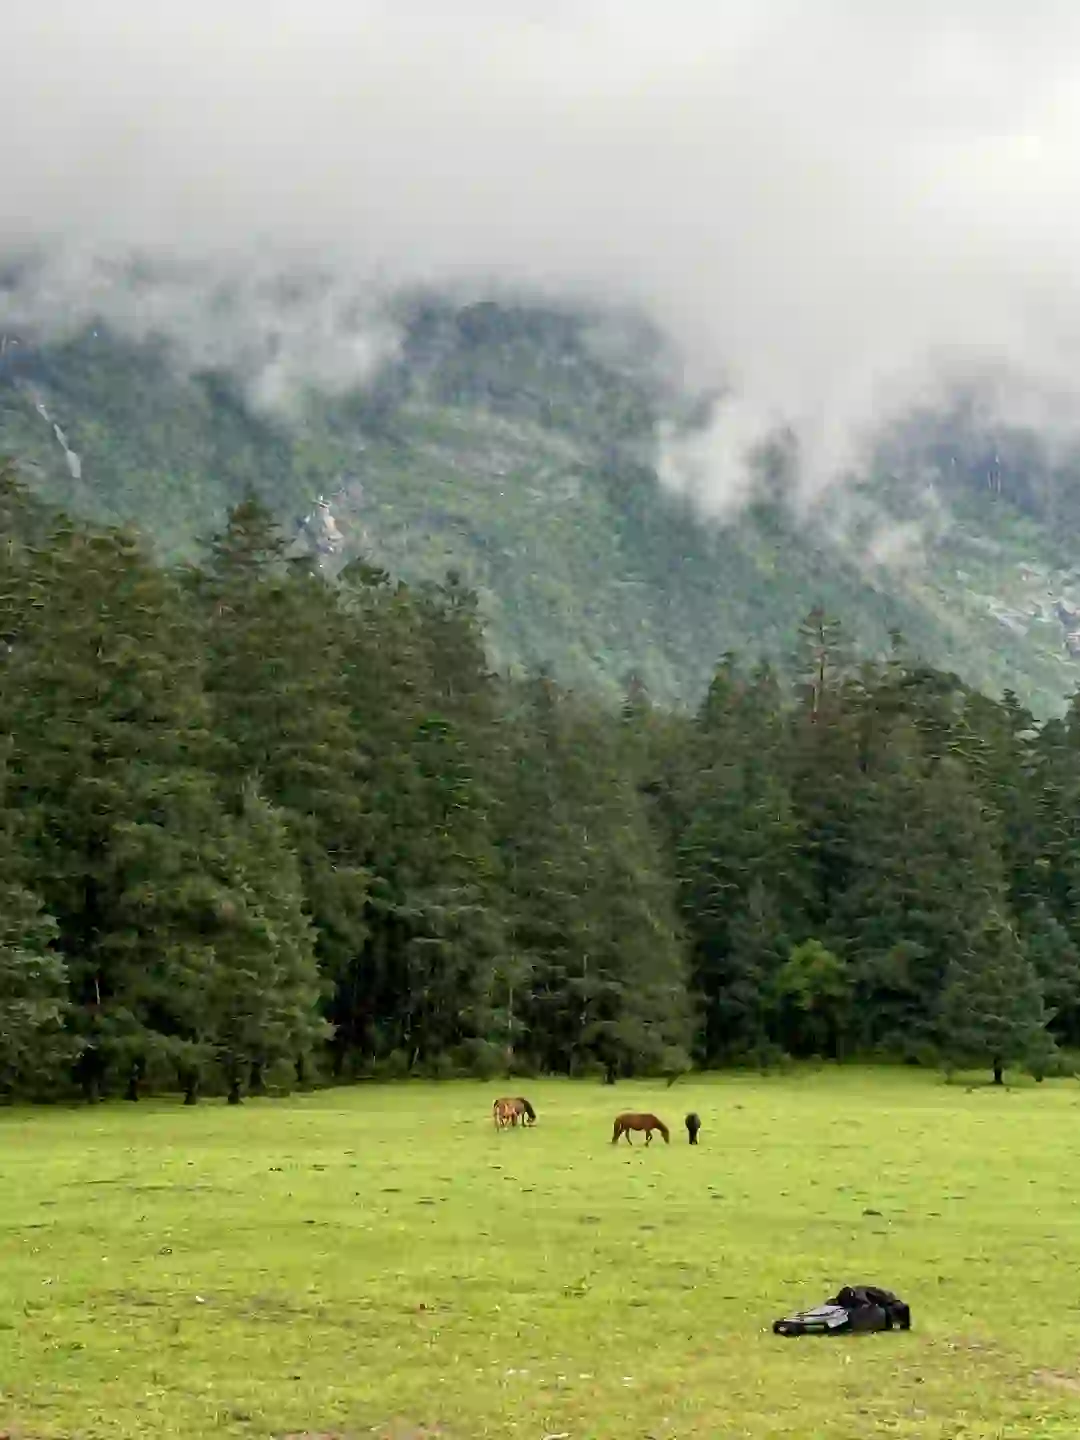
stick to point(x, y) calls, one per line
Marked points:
point(856, 1309)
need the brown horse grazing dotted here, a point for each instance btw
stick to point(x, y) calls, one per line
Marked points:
point(505, 1112)
point(625, 1123)
point(509, 1109)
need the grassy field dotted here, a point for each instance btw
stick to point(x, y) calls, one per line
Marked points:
point(378, 1261)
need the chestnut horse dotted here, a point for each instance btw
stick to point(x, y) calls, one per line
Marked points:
point(507, 1110)
point(625, 1123)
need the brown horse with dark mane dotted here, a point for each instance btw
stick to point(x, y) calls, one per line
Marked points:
point(509, 1109)
point(625, 1123)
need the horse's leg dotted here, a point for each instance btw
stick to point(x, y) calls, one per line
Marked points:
point(648, 1137)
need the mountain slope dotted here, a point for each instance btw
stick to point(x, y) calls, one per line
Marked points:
point(518, 445)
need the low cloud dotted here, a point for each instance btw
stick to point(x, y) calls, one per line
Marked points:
point(828, 207)
point(278, 337)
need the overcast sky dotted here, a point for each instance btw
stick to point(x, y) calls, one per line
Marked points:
point(815, 196)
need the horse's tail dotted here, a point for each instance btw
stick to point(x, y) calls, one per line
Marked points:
point(616, 1132)
point(663, 1131)
point(529, 1111)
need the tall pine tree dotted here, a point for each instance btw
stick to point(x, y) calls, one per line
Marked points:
point(992, 1010)
point(275, 674)
point(102, 696)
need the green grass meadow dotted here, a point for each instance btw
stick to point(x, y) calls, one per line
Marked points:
point(379, 1261)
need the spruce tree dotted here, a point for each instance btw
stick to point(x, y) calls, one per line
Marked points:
point(34, 1046)
point(275, 674)
point(925, 869)
point(992, 1010)
point(740, 859)
point(1047, 865)
point(102, 696)
point(821, 761)
point(433, 984)
point(264, 993)
point(593, 912)
point(1056, 961)
point(33, 995)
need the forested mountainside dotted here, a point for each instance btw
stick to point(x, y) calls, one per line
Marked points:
point(518, 446)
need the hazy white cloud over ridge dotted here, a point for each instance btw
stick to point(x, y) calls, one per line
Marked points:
point(823, 202)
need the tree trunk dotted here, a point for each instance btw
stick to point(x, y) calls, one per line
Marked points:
point(999, 1078)
point(301, 1070)
point(257, 1083)
point(91, 1072)
point(234, 1090)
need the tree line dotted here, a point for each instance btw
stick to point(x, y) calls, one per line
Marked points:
point(259, 827)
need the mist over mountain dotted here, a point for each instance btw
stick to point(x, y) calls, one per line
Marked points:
point(661, 325)
point(528, 447)
point(825, 208)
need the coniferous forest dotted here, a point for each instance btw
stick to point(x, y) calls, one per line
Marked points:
point(263, 829)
